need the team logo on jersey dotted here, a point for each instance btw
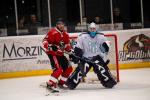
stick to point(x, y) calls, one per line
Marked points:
point(93, 47)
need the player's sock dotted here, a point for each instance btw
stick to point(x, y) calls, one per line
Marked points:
point(65, 76)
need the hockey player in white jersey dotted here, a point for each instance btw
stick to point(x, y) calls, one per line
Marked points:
point(90, 51)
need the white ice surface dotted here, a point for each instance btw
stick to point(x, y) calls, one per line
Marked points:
point(134, 85)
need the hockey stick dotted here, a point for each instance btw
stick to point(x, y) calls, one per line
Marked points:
point(84, 59)
point(87, 60)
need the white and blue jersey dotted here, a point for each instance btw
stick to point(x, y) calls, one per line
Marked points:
point(91, 46)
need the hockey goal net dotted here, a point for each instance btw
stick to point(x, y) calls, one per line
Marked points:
point(112, 56)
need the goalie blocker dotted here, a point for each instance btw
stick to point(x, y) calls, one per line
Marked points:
point(100, 68)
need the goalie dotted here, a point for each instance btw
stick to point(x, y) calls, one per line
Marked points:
point(90, 51)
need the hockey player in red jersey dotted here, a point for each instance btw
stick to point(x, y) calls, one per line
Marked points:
point(55, 43)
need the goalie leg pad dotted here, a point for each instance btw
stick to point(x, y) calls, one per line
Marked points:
point(77, 75)
point(74, 79)
point(103, 72)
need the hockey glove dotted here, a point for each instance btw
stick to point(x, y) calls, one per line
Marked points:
point(73, 58)
point(68, 48)
point(105, 47)
point(49, 47)
point(52, 47)
point(77, 52)
point(45, 44)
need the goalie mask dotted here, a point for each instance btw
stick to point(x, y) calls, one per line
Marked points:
point(92, 30)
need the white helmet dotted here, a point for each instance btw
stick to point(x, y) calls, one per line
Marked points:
point(92, 25)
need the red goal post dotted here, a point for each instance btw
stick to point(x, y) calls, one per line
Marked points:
point(113, 55)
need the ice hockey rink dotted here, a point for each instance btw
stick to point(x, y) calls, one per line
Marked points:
point(134, 85)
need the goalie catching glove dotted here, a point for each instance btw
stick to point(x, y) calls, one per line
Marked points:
point(77, 52)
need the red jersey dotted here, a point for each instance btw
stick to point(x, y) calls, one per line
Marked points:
point(56, 37)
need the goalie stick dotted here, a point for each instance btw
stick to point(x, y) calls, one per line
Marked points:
point(87, 60)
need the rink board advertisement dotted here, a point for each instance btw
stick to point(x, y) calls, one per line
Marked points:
point(24, 55)
point(134, 48)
